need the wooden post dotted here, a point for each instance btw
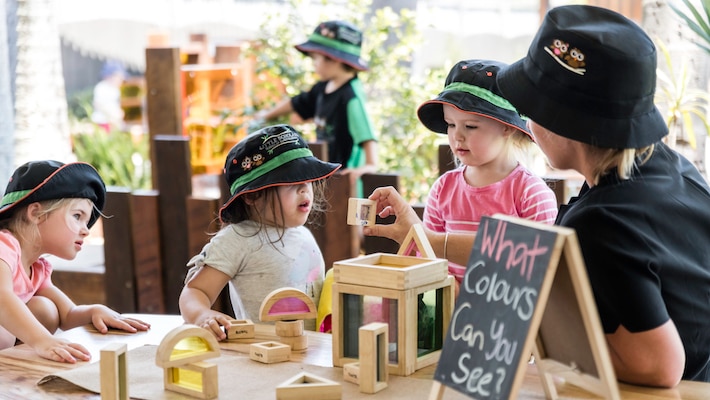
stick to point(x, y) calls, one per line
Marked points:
point(173, 174)
point(147, 265)
point(377, 244)
point(113, 372)
point(118, 251)
point(164, 94)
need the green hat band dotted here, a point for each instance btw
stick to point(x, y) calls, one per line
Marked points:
point(484, 94)
point(269, 166)
point(335, 44)
point(13, 197)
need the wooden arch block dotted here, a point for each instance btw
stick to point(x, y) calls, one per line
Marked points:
point(286, 304)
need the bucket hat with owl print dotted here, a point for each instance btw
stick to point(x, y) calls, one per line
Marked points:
point(272, 156)
point(590, 76)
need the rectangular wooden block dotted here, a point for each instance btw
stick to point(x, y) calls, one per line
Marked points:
point(372, 350)
point(269, 352)
point(240, 329)
point(351, 373)
point(361, 211)
point(390, 271)
point(114, 378)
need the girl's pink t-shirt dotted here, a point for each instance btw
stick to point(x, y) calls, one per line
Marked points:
point(455, 206)
point(23, 286)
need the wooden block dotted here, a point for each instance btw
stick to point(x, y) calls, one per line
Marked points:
point(296, 342)
point(114, 378)
point(286, 304)
point(305, 386)
point(269, 352)
point(416, 240)
point(372, 352)
point(289, 328)
point(351, 373)
point(361, 211)
point(390, 271)
point(240, 329)
point(202, 382)
point(168, 356)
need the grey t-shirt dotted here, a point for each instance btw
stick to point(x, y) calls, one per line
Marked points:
point(258, 267)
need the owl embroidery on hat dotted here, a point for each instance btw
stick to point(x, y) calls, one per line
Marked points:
point(257, 159)
point(572, 60)
point(246, 163)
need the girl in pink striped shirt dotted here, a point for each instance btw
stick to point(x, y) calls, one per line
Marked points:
point(487, 137)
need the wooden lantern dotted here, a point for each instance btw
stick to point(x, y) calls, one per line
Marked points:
point(413, 295)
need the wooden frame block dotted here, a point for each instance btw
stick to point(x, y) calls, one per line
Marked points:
point(372, 351)
point(202, 375)
point(404, 332)
point(269, 352)
point(166, 356)
point(305, 386)
point(240, 329)
point(351, 372)
point(309, 312)
point(362, 212)
point(114, 377)
point(289, 328)
point(390, 271)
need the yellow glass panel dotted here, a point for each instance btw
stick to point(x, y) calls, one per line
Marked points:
point(187, 379)
point(189, 346)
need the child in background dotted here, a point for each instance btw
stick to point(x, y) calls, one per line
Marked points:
point(275, 182)
point(48, 208)
point(485, 133)
point(337, 102)
point(106, 102)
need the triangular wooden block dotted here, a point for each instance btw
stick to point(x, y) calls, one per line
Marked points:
point(305, 386)
point(416, 240)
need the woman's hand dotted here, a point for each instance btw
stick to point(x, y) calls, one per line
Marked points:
point(390, 202)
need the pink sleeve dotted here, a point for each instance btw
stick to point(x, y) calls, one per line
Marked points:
point(538, 202)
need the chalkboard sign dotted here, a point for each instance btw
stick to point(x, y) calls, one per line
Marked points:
point(525, 291)
point(499, 306)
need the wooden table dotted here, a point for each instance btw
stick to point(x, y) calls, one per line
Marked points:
point(21, 368)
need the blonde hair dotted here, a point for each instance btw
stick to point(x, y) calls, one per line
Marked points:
point(624, 160)
point(25, 230)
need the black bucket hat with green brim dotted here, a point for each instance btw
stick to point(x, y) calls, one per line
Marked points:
point(471, 87)
point(338, 40)
point(37, 181)
point(275, 155)
point(590, 76)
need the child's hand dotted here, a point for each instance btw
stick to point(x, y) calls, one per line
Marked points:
point(214, 322)
point(104, 318)
point(56, 349)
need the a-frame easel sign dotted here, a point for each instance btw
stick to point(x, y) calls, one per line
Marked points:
point(516, 268)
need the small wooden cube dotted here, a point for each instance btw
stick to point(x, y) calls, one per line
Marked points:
point(240, 329)
point(351, 373)
point(269, 352)
point(361, 211)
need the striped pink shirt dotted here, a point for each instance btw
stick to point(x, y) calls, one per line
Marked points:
point(455, 206)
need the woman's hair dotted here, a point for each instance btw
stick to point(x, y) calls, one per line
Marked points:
point(23, 229)
point(624, 160)
point(241, 211)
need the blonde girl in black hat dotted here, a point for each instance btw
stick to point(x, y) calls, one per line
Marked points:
point(643, 215)
point(276, 183)
point(336, 104)
point(48, 208)
point(486, 135)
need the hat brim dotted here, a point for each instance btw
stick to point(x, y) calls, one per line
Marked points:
point(558, 115)
point(346, 58)
point(431, 113)
point(308, 169)
point(74, 180)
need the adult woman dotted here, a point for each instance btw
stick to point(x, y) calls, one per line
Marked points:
point(643, 214)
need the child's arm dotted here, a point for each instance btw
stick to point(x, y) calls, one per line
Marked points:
point(282, 108)
point(197, 297)
point(102, 317)
point(17, 318)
